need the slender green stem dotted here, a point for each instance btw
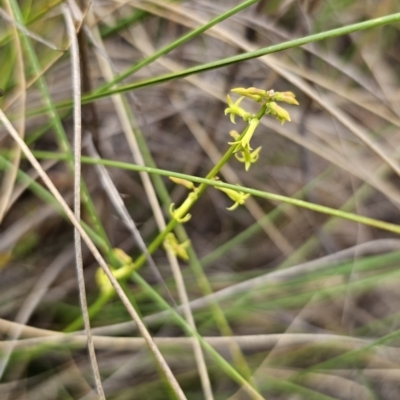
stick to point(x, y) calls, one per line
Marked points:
point(100, 93)
point(177, 43)
point(46, 196)
point(191, 200)
point(373, 23)
point(56, 121)
point(163, 51)
point(254, 192)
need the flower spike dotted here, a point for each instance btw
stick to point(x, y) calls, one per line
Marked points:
point(267, 99)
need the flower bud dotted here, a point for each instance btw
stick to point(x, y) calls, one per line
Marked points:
point(280, 113)
point(253, 93)
point(183, 182)
point(286, 97)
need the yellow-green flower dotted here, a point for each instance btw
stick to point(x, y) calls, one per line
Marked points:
point(103, 282)
point(248, 158)
point(121, 256)
point(179, 181)
point(286, 97)
point(179, 249)
point(234, 110)
point(181, 214)
point(265, 96)
point(244, 142)
point(253, 93)
point(238, 197)
point(176, 214)
point(126, 266)
point(278, 112)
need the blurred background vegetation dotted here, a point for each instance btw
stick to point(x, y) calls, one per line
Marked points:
point(305, 306)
